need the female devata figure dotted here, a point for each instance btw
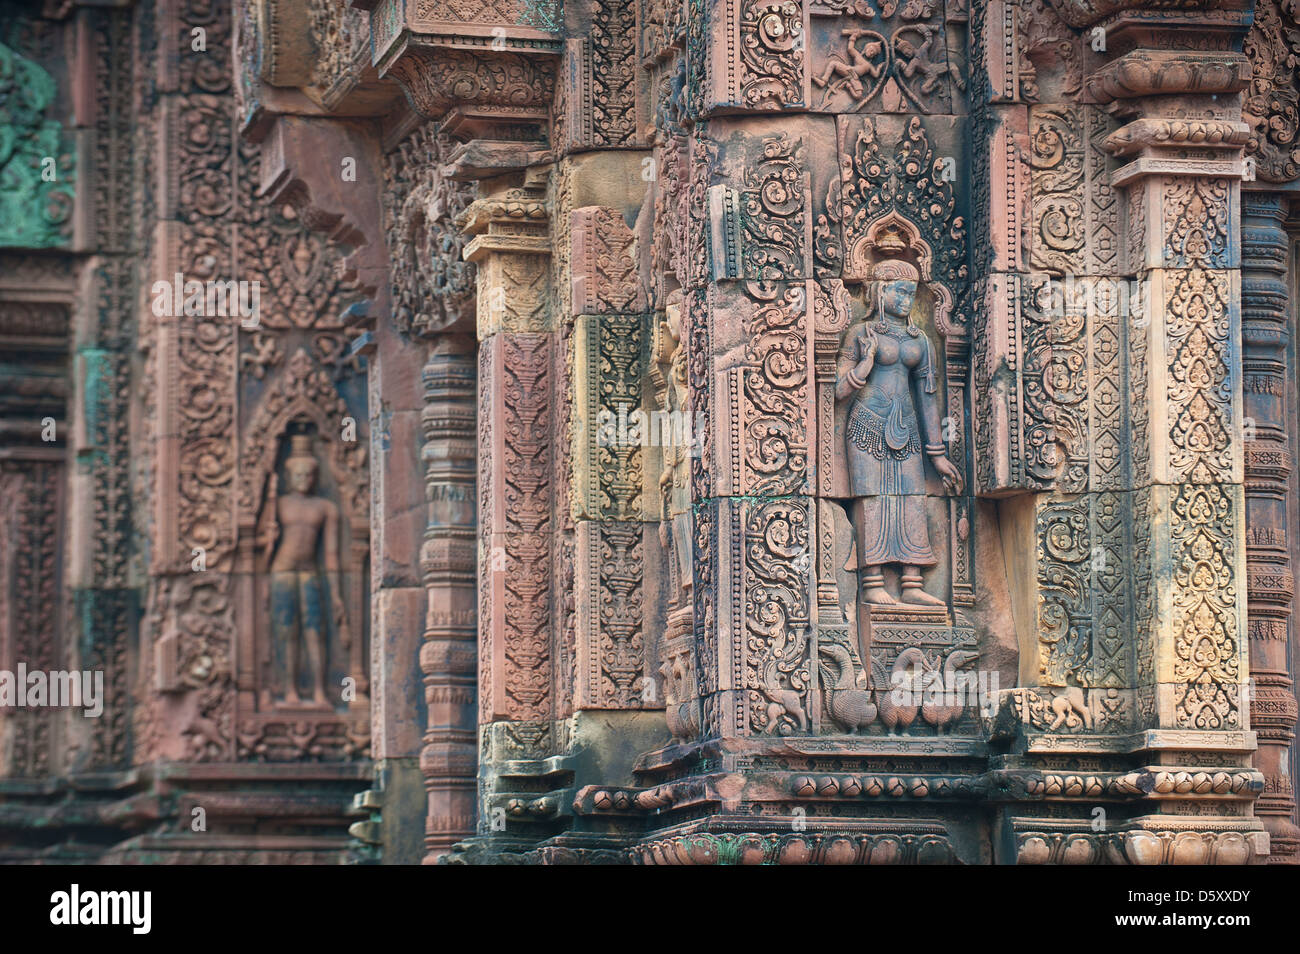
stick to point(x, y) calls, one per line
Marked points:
point(878, 365)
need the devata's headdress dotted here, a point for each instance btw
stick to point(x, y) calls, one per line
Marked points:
point(300, 449)
point(885, 272)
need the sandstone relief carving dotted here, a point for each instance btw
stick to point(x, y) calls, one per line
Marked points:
point(888, 434)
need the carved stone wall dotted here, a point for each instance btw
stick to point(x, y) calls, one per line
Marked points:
point(700, 432)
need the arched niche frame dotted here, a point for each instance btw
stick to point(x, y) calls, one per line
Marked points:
point(303, 394)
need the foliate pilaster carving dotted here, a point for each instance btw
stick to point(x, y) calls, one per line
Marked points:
point(1272, 103)
point(604, 268)
point(603, 94)
point(611, 434)
point(1074, 212)
point(1181, 184)
point(1185, 357)
point(613, 423)
point(31, 631)
point(757, 583)
point(746, 54)
point(762, 408)
point(515, 403)
point(610, 559)
point(517, 392)
point(609, 570)
point(1083, 601)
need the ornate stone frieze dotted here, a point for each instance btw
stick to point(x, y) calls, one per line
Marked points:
point(37, 162)
point(893, 59)
point(508, 87)
point(433, 287)
point(1272, 104)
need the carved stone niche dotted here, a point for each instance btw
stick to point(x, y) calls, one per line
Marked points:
point(303, 550)
point(904, 622)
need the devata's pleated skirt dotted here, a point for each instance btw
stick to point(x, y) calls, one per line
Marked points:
point(887, 476)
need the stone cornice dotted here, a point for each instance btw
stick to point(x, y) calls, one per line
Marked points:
point(1085, 13)
point(1160, 132)
point(1154, 72)
point(505, 85)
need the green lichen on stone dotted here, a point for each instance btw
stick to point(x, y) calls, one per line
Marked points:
point(97, 373)
point(36, 166)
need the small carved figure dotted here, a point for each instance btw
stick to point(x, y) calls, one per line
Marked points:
point(1071, 709)
point(901, 700)
point(298, 520)
point(878, 365)
point(849, 704)
point(849, 74)
point(925, 59)
point(941, 715)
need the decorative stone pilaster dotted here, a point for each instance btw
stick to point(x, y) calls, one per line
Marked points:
point(1135, 642)
point(1269, 463)
point(510, 245)
point(1271, 108)
point(613, 428)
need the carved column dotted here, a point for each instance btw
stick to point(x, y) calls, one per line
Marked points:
point(1109, 423)
point(447, 564)
point(1265, 331)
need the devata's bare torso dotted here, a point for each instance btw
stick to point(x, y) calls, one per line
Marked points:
point(301, 519)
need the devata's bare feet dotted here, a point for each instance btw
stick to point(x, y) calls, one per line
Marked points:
point(878, 594)
point(914, 594)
